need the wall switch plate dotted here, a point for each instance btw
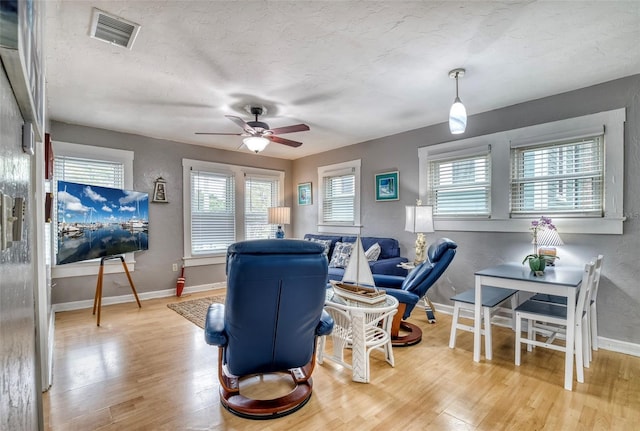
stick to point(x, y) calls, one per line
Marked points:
point(6, 220)
point(175, 267)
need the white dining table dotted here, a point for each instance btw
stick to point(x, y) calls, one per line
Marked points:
point(556, 280)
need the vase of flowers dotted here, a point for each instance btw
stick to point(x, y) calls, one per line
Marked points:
point(537, 261)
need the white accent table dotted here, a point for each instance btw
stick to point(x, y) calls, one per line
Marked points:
point(361, 327)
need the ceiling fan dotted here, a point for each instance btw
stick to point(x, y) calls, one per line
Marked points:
point(258, 134)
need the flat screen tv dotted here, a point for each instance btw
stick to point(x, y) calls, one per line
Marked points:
point(95, 222)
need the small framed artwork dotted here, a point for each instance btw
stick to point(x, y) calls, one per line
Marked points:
point(387, 186)
point(304, 194)
point(159, 191)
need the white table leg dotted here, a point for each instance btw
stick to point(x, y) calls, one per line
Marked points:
point(571, 318)
point(477, 321)
point(359, 359)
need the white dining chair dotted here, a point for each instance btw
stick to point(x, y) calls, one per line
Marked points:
point(547, 319)
point(492, 297)
point(591, 343)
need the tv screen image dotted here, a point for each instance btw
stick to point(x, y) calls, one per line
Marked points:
point(95, 222)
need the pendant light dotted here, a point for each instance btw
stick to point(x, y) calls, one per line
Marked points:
point(458, 113)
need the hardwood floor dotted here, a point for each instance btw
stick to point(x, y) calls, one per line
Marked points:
point(150, 369)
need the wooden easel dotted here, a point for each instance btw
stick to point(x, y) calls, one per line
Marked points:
point(97, 300)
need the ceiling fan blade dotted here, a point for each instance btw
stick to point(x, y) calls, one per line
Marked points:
point(290, 129)
point(213, 133)
point(279, 140)
point(240, 122)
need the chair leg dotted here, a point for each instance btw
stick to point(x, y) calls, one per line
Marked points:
point(454, 325)
point(531, 333)
point(593, 317)
point(320, 353)
point(579, 354)
point(518, 337)
point(488, 350)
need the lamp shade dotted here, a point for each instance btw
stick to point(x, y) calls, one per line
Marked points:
point(457, 117)
point(419, 219)
point(279, 215)
point(549, 237)
point(256, 143)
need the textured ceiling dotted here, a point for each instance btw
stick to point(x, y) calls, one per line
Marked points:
point(352, 71)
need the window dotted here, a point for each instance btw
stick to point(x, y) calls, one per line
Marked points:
point(213, 213)
point(559, 178)
point(260, 194)
point(339, 198)
point(224, 204)
point(91, 165)
point(572, 170)
point(460, 184)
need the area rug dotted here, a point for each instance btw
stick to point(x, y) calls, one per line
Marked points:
point(195, 310)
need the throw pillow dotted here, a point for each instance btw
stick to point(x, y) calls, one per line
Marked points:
point(341, 254)
point(326, 243)
point(373, 253)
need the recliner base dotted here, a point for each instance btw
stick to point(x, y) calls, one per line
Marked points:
point(413, 336)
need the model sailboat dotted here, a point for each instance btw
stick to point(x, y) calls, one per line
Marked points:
point(357, 282)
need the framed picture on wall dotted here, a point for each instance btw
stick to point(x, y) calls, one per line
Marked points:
point(304, 194)
point(387, 186)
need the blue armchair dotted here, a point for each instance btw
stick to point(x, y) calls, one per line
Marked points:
point(409, 290)
point(272, 316)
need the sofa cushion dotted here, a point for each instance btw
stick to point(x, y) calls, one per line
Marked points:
point(373, 252)
point(332, 238)
point(341, 254)
point(389, 247)
point(326, 243)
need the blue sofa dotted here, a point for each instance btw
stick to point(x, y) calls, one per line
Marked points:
point(386, 264)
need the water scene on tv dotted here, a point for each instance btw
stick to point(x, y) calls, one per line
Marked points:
point(96, 222)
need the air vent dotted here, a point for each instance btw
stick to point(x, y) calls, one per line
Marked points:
point(113, 29)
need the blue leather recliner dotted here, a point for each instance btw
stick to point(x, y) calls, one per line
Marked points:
point(410, 289)
point(272, 316)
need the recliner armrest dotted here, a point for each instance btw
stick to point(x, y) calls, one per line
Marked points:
point(385, 280)
point(214, 332)
point(325, 326)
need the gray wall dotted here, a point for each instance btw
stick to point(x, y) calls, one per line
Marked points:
point(155, 158)
point(19, 387)
point(619, 297)
point(619, 300)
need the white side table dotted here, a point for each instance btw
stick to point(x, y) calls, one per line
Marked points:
point(361, 327)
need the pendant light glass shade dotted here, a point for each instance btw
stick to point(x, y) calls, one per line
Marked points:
point(256, 143)
point(457, 113)
point(457, 117)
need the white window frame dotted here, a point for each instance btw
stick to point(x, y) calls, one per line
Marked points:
point(501, 144)
point(336, 169)
point(457, 155)
point(239, 173)
point(91, 267)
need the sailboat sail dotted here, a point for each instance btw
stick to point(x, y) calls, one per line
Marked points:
point(357, 282)
point(357, 270)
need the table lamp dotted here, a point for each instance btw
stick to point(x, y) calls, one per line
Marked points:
point(548, 239)
point(279, 216)
point(419, 219)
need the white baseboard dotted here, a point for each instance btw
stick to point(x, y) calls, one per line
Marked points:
point(603, 343)
point(110, 300)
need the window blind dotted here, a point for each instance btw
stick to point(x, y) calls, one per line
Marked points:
point(260, 194)
point(559, 178)
point(213, 226)
point(103, 173)
point(461, 186)
point(339, 199)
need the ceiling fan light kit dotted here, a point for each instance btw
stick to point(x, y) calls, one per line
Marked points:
point(458, 113)
point(256, 143)
point(258, 134)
